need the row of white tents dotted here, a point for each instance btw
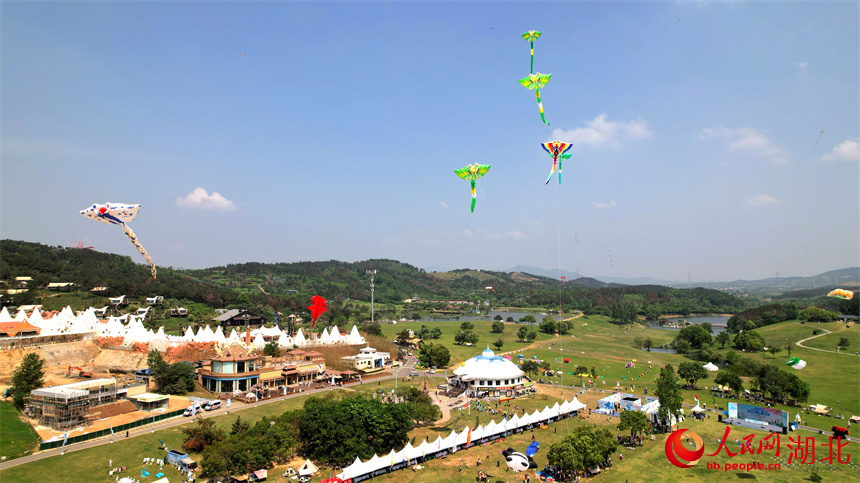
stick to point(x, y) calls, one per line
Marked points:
point(395, 460)
point(132, 331)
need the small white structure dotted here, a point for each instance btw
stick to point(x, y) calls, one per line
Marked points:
point(488, 373)
point(368, 359)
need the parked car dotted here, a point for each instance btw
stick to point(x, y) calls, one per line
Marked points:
point(213, 405)
point(192, 410)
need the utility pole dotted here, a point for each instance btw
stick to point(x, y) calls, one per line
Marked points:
point(372, 273)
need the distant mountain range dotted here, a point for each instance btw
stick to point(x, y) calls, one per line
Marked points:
point(845, 277)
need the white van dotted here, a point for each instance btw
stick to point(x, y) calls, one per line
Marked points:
point(192, 410)
point(213, 405)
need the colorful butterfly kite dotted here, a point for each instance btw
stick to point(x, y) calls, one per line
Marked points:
point(317, 308)
point(557, 150)
point(531, 36)
point(471, 173)
point(119, 214)
point(536, 82)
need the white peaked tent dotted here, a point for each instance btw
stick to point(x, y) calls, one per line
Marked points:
point(710, 366)
point(324, 338)
point(258, 342)
point(354, 338)
point(189, 335)
point(575, 405)
point(234, 337)
point(285, 341)
point(21, 315)
point(308, 468)
point(299, 339)
point(4, 315)
point(35, 318)
point(219, 336)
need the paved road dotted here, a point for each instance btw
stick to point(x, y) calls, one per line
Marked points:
point(164, 424)
point(800, 343)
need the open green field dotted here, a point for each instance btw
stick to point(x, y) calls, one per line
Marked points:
point(449, 329)
point(829, 341)
point(17, 438)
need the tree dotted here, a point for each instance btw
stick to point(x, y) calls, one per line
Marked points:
point(466, 337)
point(707, 326)
point(402, 337)
point(692, 372)
point(584, 447)
point(529, 318)
point(681, 345)
point(547, 325)
point(466, 325)
point(239, 426)
point(176, 378)
point(749, 340)
point(774, 351)
point(623, 311)
point(373, 329)
point(844, 343)
point(431, 354)
point(28, 376)
point(638, 341)
point(497, 317)
point(580, 370)
point(635, 421)
point(532, 335)
point(272, 349)
point(435, 333)
point(530, 367)
point(648, 344)
point(668, 394)
point(522, 333)
point(696, 335)
point(722, 338)
point(787, 346)
point(498, 343)
point(498, 326)
point(730, 379)
point(200, 435)
point(563, 327)
point(509, 319)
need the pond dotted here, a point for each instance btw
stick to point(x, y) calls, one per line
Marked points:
point(718, 322)
point(662, 350)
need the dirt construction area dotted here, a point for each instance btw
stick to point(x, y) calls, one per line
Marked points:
point(82, 354)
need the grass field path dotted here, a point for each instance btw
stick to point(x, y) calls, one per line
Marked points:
point(800, 344)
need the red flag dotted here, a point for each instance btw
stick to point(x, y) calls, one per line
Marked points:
point(318, 307)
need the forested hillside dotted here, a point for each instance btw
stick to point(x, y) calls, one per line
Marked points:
point(288, 286)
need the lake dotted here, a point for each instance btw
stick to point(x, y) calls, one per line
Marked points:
point(714, 320)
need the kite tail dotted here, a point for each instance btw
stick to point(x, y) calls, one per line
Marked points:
point(133, 238)
point(474, 196)
point(532, 65)
point(550, 173)
point(559, 170)
point(540, 106)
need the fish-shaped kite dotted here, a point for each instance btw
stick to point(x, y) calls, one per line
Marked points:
point(557, 150)
point(531, 36)
point(841, 293)
point(471, 173)
point(317, 308)
point(119, 214)
point(536, 82)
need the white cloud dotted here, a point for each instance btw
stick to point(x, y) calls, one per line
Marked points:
point(758, 201)
point(200, 199)
point(747, 140)
point(599, 132)
point(468, 233)
point(516, 235)
point(848, 150)
point(444, 205)
point(802, 66)
point(611, 204)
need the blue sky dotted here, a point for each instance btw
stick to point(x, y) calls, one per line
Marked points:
point(336, 134)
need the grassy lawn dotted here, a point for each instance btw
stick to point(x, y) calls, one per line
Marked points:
point(449, 329)
point(17, 437)
point(829, 341)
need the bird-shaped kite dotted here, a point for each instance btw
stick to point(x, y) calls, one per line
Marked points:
point(119, 214)
point(558, 150)
point(531, 36)
point(318, 307)
point(471, 173)
point(535, 82)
